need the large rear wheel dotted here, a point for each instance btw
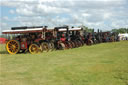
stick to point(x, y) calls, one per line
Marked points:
point(82, 42)
point(76, 44)
point(34, 48)
point(62, 46)
point(44, 46)
point(69, 44)
point(79, 43)
point(73, 44)
point(51, 46)
point(13, 46)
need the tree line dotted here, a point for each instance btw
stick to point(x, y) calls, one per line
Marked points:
point(119, 30)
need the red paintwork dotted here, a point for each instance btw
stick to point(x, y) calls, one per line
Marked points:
point(37, 40)
point(24, 45)
point(63, 39)
point(3, 40)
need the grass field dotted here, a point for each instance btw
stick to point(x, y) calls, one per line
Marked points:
point(101, 64)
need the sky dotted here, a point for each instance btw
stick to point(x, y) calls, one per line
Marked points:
point(97, 14)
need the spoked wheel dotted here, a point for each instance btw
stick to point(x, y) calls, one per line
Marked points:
point(76, 44)
point(79, 43)
point(51, 46)
point(13, 46)
point(62, 46)
point(66, 45)
point(45, 47)
point(82, 42)
point(69, 44)
point(89, 42)
point(73, 44)
point(34, 48)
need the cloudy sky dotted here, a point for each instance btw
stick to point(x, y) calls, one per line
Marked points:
point(103, 14)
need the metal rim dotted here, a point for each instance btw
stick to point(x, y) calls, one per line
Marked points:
point(34, 48)
point(80, 44)
point(69, 44)
point(73, 44)
point(53, 47)
point(13, 46)
point(45, 47)
point(62, 46)
point(76, 44)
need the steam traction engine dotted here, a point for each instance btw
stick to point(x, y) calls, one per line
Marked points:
point(41, 39)
point(32, 39)
point(62, 38)
point(67, 38)
point(76, 35)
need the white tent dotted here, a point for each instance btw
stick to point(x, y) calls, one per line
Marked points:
point(123, 36)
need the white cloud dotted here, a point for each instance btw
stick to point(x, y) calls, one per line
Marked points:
point(5, 18)
point(93, 13)
point(107, 15)
point(3, 24)
point(12, 11)
point(24, 12)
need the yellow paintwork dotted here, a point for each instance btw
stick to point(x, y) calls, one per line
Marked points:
point(14, 47)
point(33, 49)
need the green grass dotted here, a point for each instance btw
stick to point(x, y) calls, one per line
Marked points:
point(101, 64)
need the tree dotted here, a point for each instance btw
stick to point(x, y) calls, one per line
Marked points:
point(87, 28)
point(120, 30)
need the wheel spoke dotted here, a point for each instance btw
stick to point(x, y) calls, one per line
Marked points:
point(33, 48)
point(13, 46)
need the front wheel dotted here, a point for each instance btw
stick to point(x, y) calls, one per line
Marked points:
point(13, 46)
point(34, 48)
